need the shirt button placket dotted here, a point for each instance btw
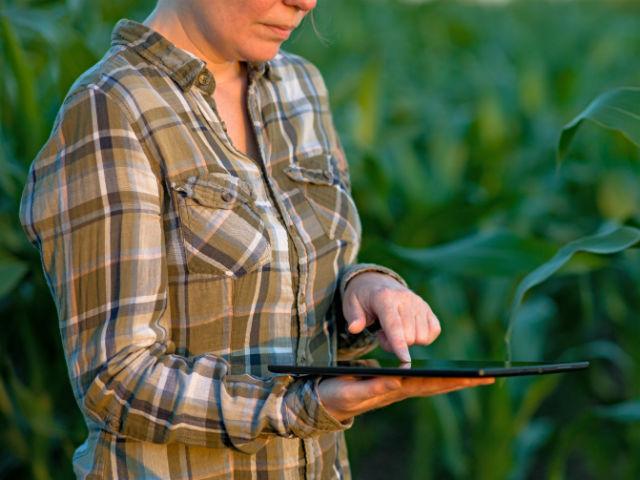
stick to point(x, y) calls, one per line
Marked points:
point(254, 113)
point(302, 315)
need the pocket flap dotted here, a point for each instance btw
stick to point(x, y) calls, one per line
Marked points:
point(215, 190)
point(315, 169)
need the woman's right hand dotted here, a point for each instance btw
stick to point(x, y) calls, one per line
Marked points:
point(346, 396)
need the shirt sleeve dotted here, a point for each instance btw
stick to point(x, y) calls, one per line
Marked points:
point(92, 205)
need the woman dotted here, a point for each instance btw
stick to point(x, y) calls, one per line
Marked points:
point(193, 214)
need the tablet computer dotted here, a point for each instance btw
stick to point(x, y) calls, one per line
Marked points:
point(370, 367)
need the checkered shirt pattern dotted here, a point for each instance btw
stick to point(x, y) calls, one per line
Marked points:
point(180, 267)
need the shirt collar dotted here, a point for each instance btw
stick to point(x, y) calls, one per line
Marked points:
point(183, 67)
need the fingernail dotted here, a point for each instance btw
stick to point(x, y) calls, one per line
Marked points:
point(354, 327)
point(404, 355)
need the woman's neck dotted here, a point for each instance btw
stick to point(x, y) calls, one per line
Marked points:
point(184, 34)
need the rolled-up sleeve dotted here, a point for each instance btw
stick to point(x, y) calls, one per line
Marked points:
point(93, 207)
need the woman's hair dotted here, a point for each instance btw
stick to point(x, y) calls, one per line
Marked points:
point(316, 30)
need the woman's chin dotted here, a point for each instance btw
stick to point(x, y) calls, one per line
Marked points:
point(263, 52)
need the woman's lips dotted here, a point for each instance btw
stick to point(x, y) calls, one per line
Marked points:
point(281, 32)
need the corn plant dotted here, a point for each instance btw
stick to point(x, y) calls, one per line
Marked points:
point(477, 178)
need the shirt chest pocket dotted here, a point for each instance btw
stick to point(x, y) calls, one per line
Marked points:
point(222, 231)
point(317, 178)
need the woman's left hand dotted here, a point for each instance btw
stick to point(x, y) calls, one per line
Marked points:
point(405, 318)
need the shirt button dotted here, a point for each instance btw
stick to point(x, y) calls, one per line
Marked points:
point(204, 79)
point(111, 423)
point(229, 273)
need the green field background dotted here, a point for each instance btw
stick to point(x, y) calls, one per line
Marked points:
point(450, 114)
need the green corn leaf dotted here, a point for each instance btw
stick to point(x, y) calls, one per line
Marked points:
point(6, 407)
point(609, 242)
point(537, 393)
point(605, 350)
point(12, 173)
point(368, 101)
point(30, 122)
point(617, 110)
point(11, 272)
point(497, 253)
point(627, 412)
point(452, 445)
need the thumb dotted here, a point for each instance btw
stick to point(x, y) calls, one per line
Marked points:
point(354, 315)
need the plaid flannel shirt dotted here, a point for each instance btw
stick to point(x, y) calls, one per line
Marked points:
point(180, 267)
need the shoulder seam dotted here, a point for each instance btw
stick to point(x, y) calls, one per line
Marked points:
point(95, 86)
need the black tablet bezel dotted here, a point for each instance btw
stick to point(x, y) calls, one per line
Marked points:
point(438, 368)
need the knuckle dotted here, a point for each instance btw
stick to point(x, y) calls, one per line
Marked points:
point(422, 337)
point(393, 383)
point(352, 301)
point(386, 294)
point(407, 295)
point(437, 328)
point(349, 315)
point(393, 324)
point(410, 337)
point(350, 398)
point(402, 294)
point(396, 338)
point(422, 305)
point(379, 389)
point(385, 386)
point(345, 395)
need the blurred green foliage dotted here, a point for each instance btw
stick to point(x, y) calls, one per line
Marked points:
point(450, 113)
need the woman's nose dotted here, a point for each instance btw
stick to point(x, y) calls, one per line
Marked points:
point(304, 5)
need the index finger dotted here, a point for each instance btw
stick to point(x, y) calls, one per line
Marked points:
point(393, 329)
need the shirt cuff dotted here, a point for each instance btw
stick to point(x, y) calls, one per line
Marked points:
point(358, 268)
point(305, 413)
